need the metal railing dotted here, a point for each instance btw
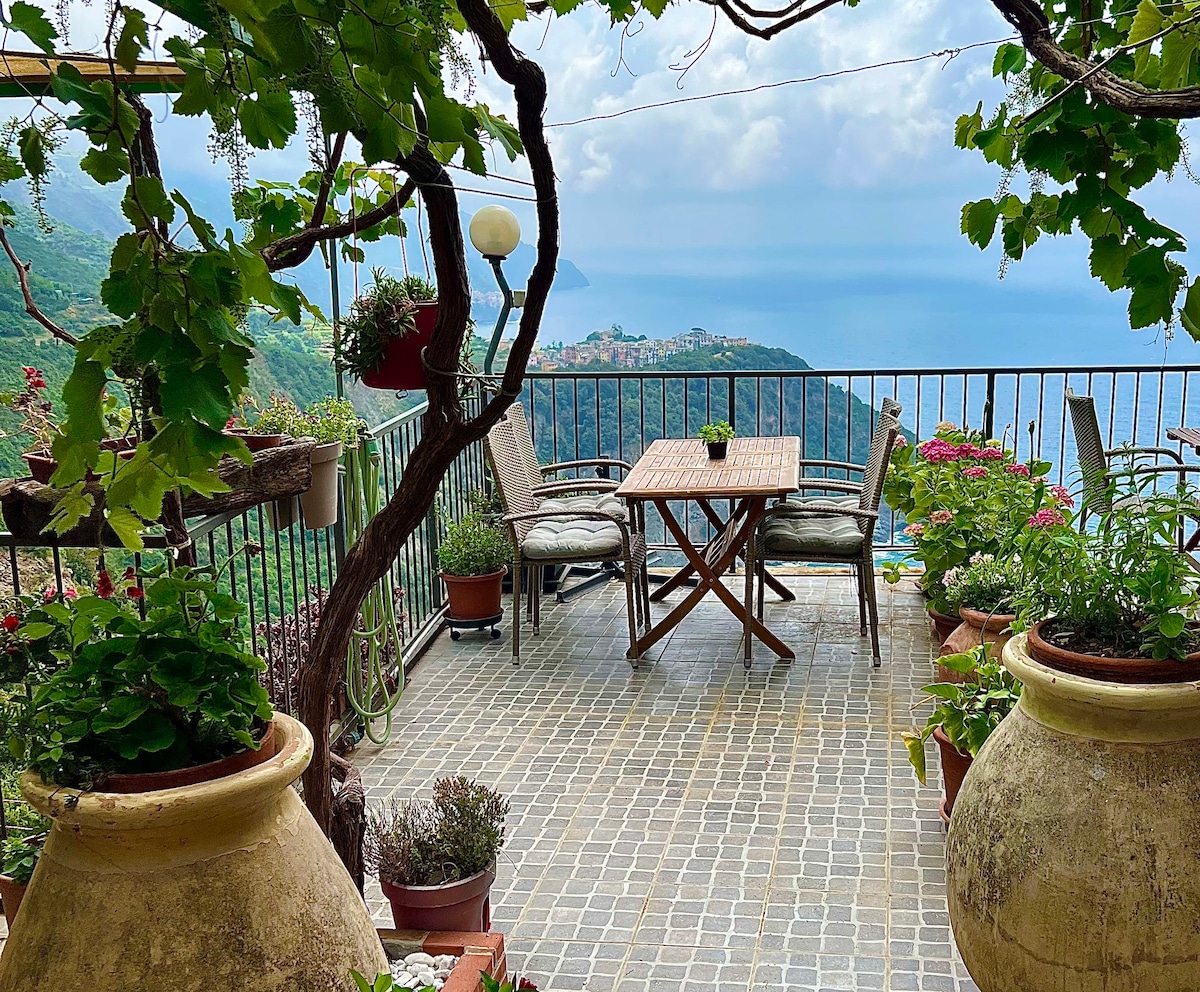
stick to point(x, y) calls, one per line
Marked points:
point(618, 413)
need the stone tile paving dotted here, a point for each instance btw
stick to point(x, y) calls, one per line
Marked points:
point(691, 826)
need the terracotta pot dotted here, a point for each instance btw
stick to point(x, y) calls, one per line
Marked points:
point(403, 366)
point(1072, 853)
point(173, 779)
point(41, 466)
point(976, 628)
point(228, 885)
point(955, 765)
point(123, 444)
point(943, 623)
point(1130, 671)
point(718, 449)
point(11, 892)
point(256, 442)
point(464, 905)
point(475, 597)
point(320, 503)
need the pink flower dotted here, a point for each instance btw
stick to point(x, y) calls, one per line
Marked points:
point(900, 442)
point(936, 450)
point(1039, 480)
point(1017, 469)
point(976, 472)
point(914, 530)
point(991, 454)
point(941, 517)
point(944, 425)
point(1046, 517)
point(1062, 495)
point(70, 593)
point(968, 451)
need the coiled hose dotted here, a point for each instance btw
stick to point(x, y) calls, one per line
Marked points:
point(367, 679)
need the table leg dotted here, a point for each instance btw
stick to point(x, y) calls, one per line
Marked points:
point(710, 577)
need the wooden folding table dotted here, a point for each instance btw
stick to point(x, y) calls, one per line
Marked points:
point(755, 470)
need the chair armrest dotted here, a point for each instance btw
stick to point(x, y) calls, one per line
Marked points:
point(1136, 452)
point(825, 463)
point(1159, 469)
point(575, 486)
point(587, 463)
point(838, 485)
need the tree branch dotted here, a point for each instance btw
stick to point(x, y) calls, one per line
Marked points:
point(31, 306)
point(1121, 94)
point(295, 248)
point(742, 24)
point(322, 201)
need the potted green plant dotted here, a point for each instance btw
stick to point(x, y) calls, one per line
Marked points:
point(336, 428)
point(20, 857)
point(155, 752)
point(270, 425)
point(960, 494)
point(964, 716)
point(717, 436)
point(38, 422)
point(474, 557)
point(386, 331)
point(436, 858)
point(981, 591)
point(1090, 787)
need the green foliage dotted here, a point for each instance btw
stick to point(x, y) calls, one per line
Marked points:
point(430, 842)
point(966, 712)
point(474, 545)
point(963, 494)
point(716, 433)
point(985, 583)
point(386, 312)
point(1096, 157)
point(1121, 588)
point(127, 694)
point(328, 420)
point(20, 857)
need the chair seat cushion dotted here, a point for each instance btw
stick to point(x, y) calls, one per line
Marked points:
point(572, 537)
point(604, 502)
point(807, 534)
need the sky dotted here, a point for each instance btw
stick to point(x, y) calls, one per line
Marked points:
point(815, 216)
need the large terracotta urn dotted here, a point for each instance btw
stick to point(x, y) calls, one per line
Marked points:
point(1073, 859)
point(224, 886)
point(976, 628)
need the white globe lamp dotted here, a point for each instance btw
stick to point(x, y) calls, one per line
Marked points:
point(495, 231)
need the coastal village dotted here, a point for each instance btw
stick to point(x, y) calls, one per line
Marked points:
point(614, 347)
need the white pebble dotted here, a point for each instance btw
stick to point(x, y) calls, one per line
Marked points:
point(418, 957)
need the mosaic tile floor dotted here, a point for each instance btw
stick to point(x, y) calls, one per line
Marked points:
point(693, 827)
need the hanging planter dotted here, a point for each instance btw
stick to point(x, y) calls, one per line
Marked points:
point(387, 330)
point(320, 503)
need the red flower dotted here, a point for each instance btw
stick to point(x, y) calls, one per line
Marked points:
point(525, 985)
point(135, 592)
point(104, 584)
point(11, 623)
point(130, 574)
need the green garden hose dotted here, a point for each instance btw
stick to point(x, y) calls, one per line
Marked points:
point(367, 679)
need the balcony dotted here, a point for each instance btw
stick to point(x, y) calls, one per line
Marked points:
point(689, 825)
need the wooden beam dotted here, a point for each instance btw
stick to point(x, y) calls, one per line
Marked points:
point(28, 74)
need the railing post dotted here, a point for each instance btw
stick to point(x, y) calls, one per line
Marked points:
point(732, 401)
point(432, 540)
point(989, 407)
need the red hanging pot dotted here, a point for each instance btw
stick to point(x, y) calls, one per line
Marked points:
point(402, 367)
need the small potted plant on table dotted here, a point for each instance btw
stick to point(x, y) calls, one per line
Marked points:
point(436, 858)
point(387, 330)
point(717, 436)
point(965, 714)
point(474, 557)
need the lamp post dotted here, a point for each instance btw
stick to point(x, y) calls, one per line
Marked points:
point(495, 233)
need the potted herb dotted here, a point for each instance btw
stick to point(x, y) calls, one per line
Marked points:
point(38, 421)
point(717, 436)
point(981, 592)
point(386, 331)
point(963, 718)
point(168, 780)
point(20, 857)
point(436, 858)
point(270, 427)
point(474, 557)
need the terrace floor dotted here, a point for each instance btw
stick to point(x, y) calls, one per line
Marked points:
point(693, 827)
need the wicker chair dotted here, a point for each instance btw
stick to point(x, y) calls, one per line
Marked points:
point(548, 531)
point(817, 530)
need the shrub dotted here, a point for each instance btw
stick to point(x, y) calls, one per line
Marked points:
point(430, 842)
point(986, 583)
point(716, 433)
